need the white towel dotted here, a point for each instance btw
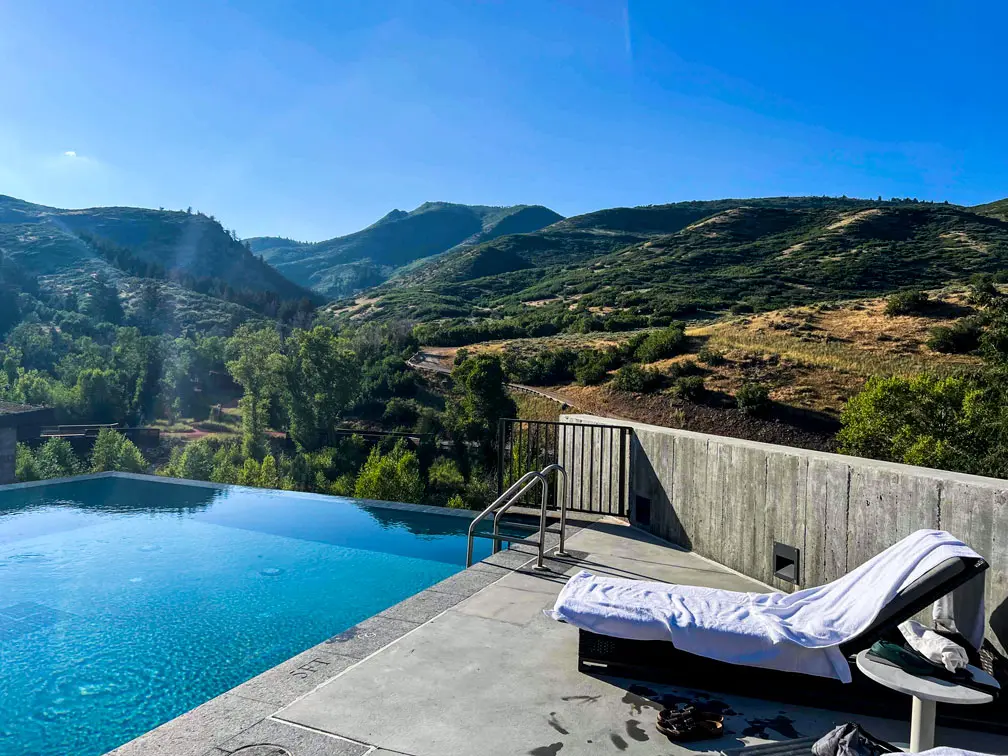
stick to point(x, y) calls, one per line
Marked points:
point(937, 648)
point(796, 632)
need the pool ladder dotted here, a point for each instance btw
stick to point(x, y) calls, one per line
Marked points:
point(509, 498)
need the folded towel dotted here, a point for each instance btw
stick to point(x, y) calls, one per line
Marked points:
point(937, 648)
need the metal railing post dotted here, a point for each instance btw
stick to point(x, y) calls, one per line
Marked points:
point(542, 526)
point(556, 467)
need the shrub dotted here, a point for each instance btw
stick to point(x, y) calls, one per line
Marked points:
point(344, 485)
point(710, 356)
point(907, 303)
point(444, 479)
point(667, 342)
point(753, 398)
point(634, 378)
point(684, 368)
point(194, 461)
point(690, 388)
point(740, 308)
point(25, 468)
point(456, 502)
point(56, 459)
point(982, 291)
point(960, 337)
point(481, 489)
point(390, 477)
point(401, 413)
point(112, 451)
point(593, 367)
point(946, 423)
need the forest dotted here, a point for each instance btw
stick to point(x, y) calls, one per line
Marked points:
point(299, 389)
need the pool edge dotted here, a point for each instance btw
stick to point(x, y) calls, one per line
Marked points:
point(202, 729)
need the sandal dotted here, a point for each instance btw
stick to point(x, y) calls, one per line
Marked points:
point(687, 728)
point(672, 715)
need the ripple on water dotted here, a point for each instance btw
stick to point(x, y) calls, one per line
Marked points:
point(271, 571)
point(150, 547)
point(27, 557)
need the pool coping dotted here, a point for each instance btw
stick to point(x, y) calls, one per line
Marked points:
point(215, 727)
point(167, 480)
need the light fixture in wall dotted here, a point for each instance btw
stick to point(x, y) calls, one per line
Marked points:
point(786, 562)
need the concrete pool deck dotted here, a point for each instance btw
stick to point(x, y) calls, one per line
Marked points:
point(472, 666)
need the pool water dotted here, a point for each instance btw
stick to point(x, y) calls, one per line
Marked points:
point(125, 602)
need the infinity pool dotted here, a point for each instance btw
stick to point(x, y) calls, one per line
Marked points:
point(125, 602)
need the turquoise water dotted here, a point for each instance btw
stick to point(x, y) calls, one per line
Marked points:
point(124, 603)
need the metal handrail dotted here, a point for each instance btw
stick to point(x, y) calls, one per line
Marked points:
point(537, 478)
point(563, 508)
point(507, 499)
point(563, 503)
point(531, 474)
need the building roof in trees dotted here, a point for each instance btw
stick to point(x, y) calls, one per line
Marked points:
point(13, 415)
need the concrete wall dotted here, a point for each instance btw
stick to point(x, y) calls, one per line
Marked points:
point(8, 447)
point(729, 500)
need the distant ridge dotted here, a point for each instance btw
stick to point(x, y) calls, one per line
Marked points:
point(647, 264)
point(347, 264)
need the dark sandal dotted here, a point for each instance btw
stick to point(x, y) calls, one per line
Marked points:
point(672, 715)
point(687, 728)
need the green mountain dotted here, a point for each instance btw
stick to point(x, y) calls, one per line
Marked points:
point(44, 240)
point(347, 264)
point(205, 277)
point(628, 267)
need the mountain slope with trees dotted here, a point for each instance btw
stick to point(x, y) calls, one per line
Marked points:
point(45, 239)
point(187, 261)
point(632, 267)
point(347, 264)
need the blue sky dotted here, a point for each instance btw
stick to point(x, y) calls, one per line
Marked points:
point(314, 119)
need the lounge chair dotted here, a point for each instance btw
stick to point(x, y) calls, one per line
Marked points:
point(660, 660)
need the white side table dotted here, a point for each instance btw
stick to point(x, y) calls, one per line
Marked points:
point(926, 691)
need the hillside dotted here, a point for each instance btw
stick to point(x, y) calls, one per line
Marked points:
point(811, 359)
point(997, 209)
point(45, 239)
point(642, 266)
point(205, 274)
point(347, 264)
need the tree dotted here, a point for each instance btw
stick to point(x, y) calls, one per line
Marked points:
point(151, 308)
point(478, 400)
point(112, 451)
point(99, 397)
point(101, 300)
point(946, 423)
point(255, 362)
point(321, 379)
point(390, 477)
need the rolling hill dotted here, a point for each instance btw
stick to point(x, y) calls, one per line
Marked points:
point(347, 264)
point(998, 209)
point(628, 267)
